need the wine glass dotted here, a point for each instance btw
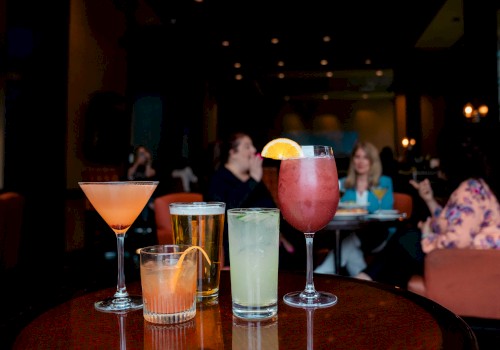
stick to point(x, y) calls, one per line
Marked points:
point(119, 203)
point(379, 192)
point(308, 194)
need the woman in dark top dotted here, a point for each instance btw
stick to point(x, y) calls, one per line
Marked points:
point(237, 182)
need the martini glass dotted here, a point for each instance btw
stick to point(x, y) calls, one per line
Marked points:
point(379, 192)
point(119, 204)
point(308, 194)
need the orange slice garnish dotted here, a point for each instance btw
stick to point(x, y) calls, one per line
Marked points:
point(282, 148)
point(178, 265)
point(184, 253)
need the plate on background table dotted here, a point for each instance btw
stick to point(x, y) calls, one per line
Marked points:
point(352, 205)
point(350, 214)
point(386, 215)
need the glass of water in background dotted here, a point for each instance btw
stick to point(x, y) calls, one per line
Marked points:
point(253, 252)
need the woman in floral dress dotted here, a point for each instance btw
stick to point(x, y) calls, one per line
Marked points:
point(469, 220)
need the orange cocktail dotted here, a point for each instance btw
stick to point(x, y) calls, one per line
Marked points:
point(119, 203)
point(168, 283)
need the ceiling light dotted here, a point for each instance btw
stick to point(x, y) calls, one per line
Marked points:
point(326, 38)
point(237, 65)
point(325, 97)
point(225, 43)
point(238, 77)
point(368, 61)
point(324, 62)
point(329, 74)
point(281, 75)
point(281, 63)
point(379, 73)
point(275, 40)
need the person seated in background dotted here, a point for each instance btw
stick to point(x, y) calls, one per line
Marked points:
point(142, 165)
point(469, 220)
point(237, 182)
point(364, 173)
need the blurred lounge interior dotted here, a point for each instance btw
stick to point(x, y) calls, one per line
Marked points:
point(83, 81)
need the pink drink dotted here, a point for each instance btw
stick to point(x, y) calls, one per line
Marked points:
point(308, 192)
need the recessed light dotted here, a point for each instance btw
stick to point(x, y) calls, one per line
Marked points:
point(225, 43)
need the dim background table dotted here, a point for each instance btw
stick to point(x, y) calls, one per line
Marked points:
point(340, 225)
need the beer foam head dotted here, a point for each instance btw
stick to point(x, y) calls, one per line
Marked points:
point(197, 208)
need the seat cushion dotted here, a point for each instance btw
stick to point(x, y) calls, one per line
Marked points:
point(465, 281)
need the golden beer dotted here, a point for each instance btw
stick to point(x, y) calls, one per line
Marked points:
point(201, 224)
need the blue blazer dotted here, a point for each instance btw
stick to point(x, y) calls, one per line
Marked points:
point(387, 200)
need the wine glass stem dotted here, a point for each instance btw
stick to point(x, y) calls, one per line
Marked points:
point(121, 290)
point(309, 291)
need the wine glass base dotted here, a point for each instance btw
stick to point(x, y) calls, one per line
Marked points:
point(119, 305)
point(323, 299)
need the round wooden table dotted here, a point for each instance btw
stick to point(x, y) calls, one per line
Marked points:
point(368, 315)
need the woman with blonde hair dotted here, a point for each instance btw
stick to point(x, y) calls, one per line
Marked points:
point(364, 174)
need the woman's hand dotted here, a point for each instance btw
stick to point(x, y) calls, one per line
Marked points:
point(425, 226)
point(256, 170)
point(424, 189)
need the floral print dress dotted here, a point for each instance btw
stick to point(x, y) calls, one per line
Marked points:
point(470, 219)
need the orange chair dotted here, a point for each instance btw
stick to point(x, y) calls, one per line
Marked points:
point(11, 221)
point(403, 202)
point(462, 280)
point(162, 213)
point(270, 179)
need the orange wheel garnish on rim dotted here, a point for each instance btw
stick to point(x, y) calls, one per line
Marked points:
point(282, 148)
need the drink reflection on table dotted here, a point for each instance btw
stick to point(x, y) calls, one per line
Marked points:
point(209, 326)
point(310, 328)
point(175, 336)
point(255, 335)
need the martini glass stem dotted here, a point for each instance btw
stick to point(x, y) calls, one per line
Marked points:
point(309, 291)
point(121, 290)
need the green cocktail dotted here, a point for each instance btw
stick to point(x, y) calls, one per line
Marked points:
point(253, 252)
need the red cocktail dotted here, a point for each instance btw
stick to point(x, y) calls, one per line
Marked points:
point(308, 194)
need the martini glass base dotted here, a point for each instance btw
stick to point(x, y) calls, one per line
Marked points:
point(322, 299)
point(119, 305)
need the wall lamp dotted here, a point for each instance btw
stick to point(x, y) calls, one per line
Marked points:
point(475, 114)
point(406, 142)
